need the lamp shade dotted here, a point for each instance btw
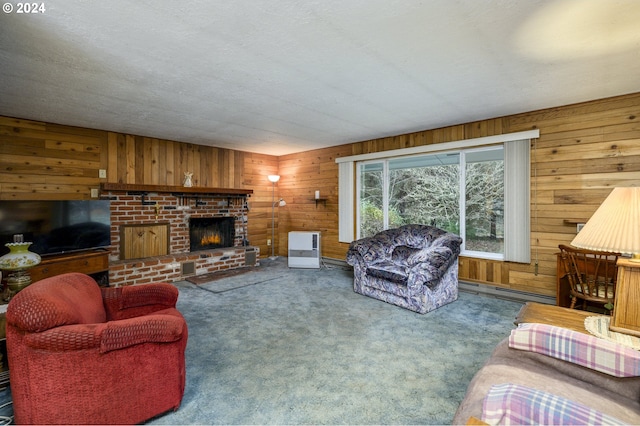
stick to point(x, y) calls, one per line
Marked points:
point(274, 178)
point(19, 257)
point(615, 225)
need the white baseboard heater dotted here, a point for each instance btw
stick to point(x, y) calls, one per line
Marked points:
point(304, 249)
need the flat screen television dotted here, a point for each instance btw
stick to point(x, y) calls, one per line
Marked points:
point(56, 227)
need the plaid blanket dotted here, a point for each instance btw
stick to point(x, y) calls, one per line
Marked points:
point(509, 404)
point(578, 348)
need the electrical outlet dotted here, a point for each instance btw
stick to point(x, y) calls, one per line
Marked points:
point(268, 241)
point(102, 174)
point(94, 193)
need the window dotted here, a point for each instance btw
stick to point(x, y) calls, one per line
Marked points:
point(424, 189)
point(484, 201)
point(462, 192)
point(383, 189)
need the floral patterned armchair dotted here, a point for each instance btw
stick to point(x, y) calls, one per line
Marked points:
point(413, 266)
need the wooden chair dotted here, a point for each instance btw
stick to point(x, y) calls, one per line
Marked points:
point(591, 275)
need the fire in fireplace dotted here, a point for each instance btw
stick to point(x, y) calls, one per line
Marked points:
point(211, 232)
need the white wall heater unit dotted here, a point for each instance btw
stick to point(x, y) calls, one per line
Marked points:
point(304, 249)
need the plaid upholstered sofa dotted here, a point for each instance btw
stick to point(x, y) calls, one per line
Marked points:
point(543, 374)
point(413, 266)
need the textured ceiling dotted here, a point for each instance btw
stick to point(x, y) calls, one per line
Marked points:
point(285, 76)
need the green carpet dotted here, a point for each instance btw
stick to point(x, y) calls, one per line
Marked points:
point(295, 346)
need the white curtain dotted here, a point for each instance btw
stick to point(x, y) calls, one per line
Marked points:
point(346, 200)
point(517, 204)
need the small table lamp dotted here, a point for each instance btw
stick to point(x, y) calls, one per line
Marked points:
point(18, 261)
point(615, 226)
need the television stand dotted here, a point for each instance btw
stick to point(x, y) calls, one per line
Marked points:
point(94, 262)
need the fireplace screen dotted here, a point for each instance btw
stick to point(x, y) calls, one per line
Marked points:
point(211, 232)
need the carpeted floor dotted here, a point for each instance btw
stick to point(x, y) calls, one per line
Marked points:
point(295, 346)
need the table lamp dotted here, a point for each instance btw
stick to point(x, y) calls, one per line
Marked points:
point(615, 226)
point(17, 262)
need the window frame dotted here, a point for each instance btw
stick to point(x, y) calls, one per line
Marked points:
point(517, 182)
point(461, 162)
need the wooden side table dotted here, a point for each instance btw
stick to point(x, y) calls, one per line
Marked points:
point(540, 313)
point(626, 312)
point(91, 262)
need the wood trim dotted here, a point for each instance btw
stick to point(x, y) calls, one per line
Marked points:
point(106, 186)
point(444, 146)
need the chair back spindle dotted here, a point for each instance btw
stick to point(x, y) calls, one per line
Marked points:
point(591, 275)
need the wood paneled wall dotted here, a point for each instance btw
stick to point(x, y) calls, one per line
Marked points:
point(135, 159)
point(49, 161)
point(301, 176)
point(584, 150)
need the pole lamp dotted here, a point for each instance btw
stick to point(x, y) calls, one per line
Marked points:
point(273, 179)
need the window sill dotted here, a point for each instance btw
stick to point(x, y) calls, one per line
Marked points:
point(483, 255)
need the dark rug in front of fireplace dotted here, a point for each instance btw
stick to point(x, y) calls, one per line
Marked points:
point(218, 275)
point(232, 279)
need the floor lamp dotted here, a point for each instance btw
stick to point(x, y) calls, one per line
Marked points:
point(273, 179)
point(615, 226)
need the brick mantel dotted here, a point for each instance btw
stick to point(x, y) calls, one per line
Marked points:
point(152, 204)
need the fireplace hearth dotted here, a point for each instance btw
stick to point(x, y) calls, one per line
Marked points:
point(211, 232)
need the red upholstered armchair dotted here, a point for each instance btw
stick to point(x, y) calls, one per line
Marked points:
point(82, 354)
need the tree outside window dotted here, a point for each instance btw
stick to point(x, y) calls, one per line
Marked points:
point(426, 189)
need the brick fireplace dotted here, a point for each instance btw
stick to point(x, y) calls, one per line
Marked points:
point(146, 210)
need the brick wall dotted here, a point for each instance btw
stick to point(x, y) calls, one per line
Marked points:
point(134, 209)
